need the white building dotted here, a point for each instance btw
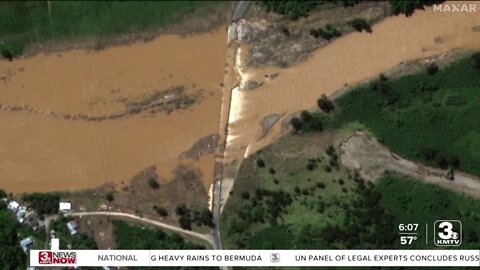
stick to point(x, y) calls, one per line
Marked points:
point(72, 227)
point(13, 206)
point(65, 207)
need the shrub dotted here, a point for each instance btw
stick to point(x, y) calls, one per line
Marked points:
point(432, 69)
point(161, 211)
point(245, 195)
point(182, 210)
point(476, 59)
point(330, 150)
point(3, 194)
point(152, 182)
point(185, 222)
point(311, 166)
point(260, 163)
point(305, 116)
point(271, 171)
point(109, 196)
point(321, 185)
point(296, 123)
point(360, 25)
point(328, 32)
point(325, 104)
point(328, 168)
point(285, 30)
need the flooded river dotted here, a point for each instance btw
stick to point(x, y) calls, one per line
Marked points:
point(78, 119)
point(346, 61)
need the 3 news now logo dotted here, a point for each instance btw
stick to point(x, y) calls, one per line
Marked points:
point(448, 233)
point(60, 257)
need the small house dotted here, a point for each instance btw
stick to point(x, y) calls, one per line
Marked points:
point(26, 243)
point(21, 211)
point(65, 207)
point(13, 206)
point(72, 227)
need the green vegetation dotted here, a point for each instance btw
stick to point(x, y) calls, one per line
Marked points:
point(360, 24)
point(3, 194)
point(43, 203)
point(431, 119)
point(310, 208)
point(325, 104)
point(11, 254)
point(328, 32)
point(408, 7)
point(270, 210)
point(432, 69)
point(109, 196)
point(77, 241)
point(186, 217)
point(294, 10)
point(476, 59)
point(410, 201)
point(136, 237)
point(28, 22)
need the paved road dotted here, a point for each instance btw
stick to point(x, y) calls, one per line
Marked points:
point(207, 237)
point(240, 10)
point(218, 174)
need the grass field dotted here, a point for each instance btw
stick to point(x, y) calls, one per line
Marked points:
point(428, 118)
point(27, 22)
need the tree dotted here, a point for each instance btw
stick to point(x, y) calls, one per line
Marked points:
point(43, 203)
point(305, 116)
point(325, 104)
point(152, 182)
point(185, 222)
point(206, 217)
point(260, 163)
point(361, 24)
point(271, 171)
point(408, 7)
point(109, 196)
point(3, 194)
point(476, 59)
point(182, 210)
point(432, 69)
point(296, 123)
point(11, 255)
point(7, 54)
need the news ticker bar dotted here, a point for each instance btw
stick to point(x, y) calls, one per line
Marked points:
point(49, 258)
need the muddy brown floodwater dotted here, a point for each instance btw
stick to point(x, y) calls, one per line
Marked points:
point(346, 61)
point(40, 151)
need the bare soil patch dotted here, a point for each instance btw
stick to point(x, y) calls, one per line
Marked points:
point(364, 153)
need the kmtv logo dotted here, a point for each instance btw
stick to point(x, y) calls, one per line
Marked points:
point(50, 257)
point(448, 233)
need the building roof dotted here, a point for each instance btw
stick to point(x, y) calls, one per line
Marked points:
point(25, 243)
point(65, 206)
point(13, 206)
point(72, 226)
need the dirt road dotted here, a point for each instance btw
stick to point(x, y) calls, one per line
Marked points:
point(364, 153)
point(207, 237)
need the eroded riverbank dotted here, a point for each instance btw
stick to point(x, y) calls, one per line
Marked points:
point(345, 62)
